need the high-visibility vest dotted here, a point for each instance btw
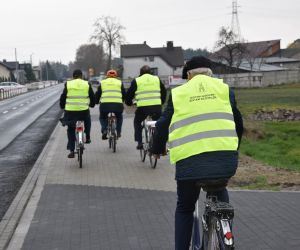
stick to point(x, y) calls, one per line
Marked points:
point(202, 120)
point(111, 90)
point(148, 90)
point(77, 95)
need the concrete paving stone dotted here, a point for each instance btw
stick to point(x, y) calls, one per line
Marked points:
point(117, 202)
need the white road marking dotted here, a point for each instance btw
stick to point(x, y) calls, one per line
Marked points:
point(14, 108)
point(4, 112)
point(21, 105)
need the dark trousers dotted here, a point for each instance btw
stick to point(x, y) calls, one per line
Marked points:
point(187, 195)
point(137, 122)
point(71, 131)
point(104, 121)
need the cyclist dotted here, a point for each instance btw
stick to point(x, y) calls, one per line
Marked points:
point(110, 94)
point(149, 93)
point(204, 128)
point(76, 99)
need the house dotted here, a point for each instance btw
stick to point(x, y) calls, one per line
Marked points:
point(15, 68)
point(164, 61)
point(5, 72)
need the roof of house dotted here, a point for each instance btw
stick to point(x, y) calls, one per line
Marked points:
point(288, 52)
point(254, 49)
point(277, 59)
point(8, 66)
point(171, 55)
point(256, 66)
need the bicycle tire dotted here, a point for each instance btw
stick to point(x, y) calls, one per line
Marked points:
point(153, 160)
point(80, 153)
point(213, 237)
point(114, 143)
point(143, 151)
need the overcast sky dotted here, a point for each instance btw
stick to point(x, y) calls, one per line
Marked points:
point(54, 29)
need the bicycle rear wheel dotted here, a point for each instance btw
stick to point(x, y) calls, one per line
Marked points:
point(143, 151)
point(153, 160)
point(213, 237)
point(80, 153)
point(114, 142)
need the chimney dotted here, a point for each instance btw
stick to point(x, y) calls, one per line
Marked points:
point(4, 60)
point(145, 42)
point(170, 45)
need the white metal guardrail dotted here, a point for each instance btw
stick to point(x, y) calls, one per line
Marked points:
point(8, 92)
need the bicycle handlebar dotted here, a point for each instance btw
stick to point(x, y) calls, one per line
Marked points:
point(151, 124)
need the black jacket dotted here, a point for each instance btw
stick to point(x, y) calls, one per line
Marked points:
point(208, 165)
point(131, 94)
point(110, 106)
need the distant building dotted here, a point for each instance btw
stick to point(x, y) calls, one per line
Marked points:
point(5, 71)
point(164, 61)
point(16, 70)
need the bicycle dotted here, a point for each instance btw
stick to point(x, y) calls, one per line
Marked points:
point(148, 128)
point(79, 143)
point(112, 131)
point(216, 220)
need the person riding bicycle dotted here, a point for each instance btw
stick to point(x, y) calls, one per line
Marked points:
point(149, 93)
point(204, 127)
point(76, 99)
point(110, 94)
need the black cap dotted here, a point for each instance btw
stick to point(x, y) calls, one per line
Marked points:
point(194, 63)
point(77, 73)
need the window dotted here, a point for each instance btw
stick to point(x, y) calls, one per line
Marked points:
point(154, 71)
point(151, 58)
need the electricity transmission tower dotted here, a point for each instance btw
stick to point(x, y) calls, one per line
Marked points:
point(235, 24)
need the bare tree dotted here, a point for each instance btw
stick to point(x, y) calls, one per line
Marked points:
point(228, 48)
point(90, 56)
point(108, 31)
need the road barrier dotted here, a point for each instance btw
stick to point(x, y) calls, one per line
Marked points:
point(10, 92)
point(13, 91)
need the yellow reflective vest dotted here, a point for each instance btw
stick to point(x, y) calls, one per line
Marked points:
point(111, 90)
point(202, 120)
point(77, 95)
point(148, 91)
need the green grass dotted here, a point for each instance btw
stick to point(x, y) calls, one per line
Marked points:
point(278, 144)
point(261, 182)
point(270, 98)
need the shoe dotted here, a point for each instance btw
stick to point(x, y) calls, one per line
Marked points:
point(88, 141)
point(139, 146)
point(71, 154)
point(118, 135)
point(104, 136)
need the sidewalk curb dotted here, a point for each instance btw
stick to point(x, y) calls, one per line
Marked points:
point(10, 220)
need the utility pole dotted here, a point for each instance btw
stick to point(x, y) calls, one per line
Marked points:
point(235, 24)
point(31, 59)
point(17, 68)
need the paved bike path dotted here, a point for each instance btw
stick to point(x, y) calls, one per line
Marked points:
point(117, 202)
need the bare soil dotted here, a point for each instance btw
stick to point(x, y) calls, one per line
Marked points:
point(250, 170)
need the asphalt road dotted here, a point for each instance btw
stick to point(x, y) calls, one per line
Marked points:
point(17, 159)
point(17, 113)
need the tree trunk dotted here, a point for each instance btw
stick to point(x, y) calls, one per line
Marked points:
point(109, 58)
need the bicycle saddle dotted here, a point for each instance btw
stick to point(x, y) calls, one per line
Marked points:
point(212, 185)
